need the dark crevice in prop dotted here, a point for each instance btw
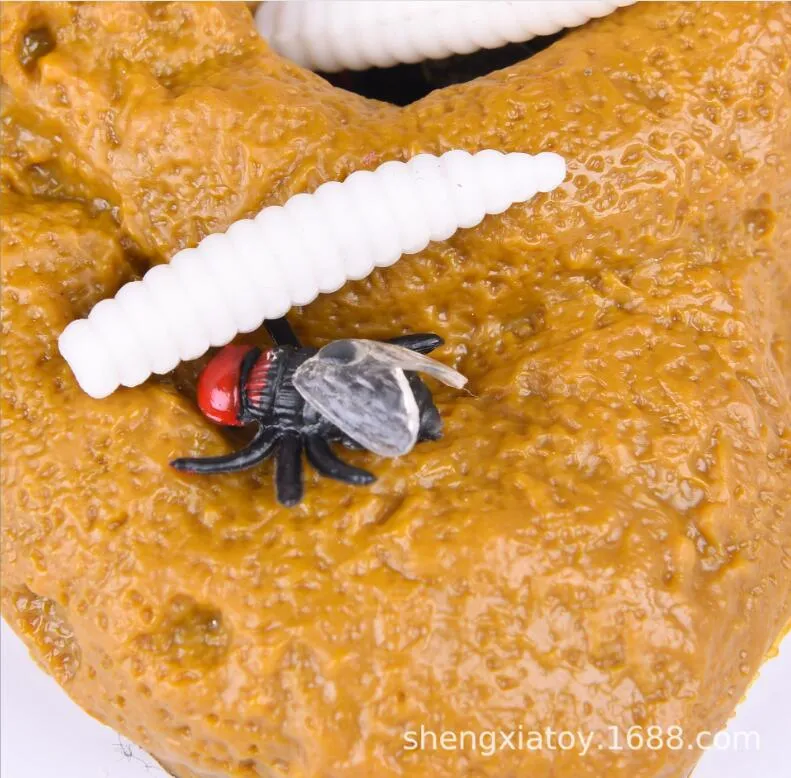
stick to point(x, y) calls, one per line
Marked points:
point(35, 44)
point(404, 84)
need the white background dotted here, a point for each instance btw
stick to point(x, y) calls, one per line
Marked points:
point(45, 735)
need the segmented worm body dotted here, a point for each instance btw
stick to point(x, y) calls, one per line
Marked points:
point(288, 254)
point(333, 35)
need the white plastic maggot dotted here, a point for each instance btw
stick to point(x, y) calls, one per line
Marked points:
point(333, 35)
point(287, 255)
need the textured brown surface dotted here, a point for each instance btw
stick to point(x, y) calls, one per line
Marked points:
point(603, 537)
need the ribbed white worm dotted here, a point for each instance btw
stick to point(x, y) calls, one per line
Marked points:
point(287, 255)
point(332, 35)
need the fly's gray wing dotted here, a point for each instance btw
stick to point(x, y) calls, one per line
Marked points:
point(360, 386)
point(406, 359)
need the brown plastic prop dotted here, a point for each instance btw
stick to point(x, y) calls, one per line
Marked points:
point(603, 535)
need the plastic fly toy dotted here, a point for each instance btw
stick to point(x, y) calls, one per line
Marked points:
point(360, 393)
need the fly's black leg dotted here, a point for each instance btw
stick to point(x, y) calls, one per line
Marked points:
point(288, 470)
point(424, 342)
point(321, 456)
point(257, 450)
point(282, 333)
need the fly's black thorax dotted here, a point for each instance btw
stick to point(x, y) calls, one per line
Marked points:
point(267, 387)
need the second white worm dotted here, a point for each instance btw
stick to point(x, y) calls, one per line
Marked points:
point(333, 35)
point(287, 255)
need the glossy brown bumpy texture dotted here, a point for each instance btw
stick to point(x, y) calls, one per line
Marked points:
point(602, 537)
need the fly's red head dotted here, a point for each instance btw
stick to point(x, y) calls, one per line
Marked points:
point(219, 395)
